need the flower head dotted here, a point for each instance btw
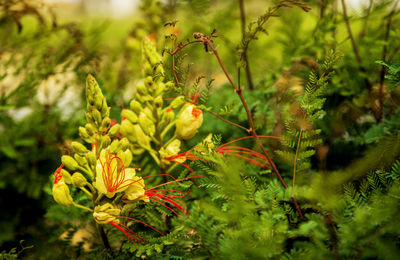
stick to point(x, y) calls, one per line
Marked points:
point(112, 173)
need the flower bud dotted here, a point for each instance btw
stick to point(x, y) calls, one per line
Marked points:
point(160, 89)
point(147, 125)
point(105, 123)
point(80, 160)
point(130, 115)
point(168, 116)
point(124, 144)
point(69, 162)
point(105, 141)
point(148, 81)
point(115, 146)
point(79, 148)
point(91, 158)
point(158, 101)
point(127, 130)
point(136, 107)
point(61, 194)
point(96, 116)
point(114, 130)
point(78, 180)
point(106, 213)
point(84, 135)
point(90, 128)
point(66, 176)
point(188, 121)
point(141, 89)
point(170, 85)
point(178, 102)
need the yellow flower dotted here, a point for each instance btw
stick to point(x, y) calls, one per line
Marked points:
point(112, 172)
point(171, 151)
point(136, 191)
point(106, 213)
point(188, 121)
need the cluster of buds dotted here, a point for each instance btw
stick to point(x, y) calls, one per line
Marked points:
point(103, 171)
point(149, 121)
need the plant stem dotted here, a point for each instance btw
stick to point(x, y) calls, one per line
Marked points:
point(244, 53)
point(104, 238)
point(359, 60)
point(229, 122)
point(251, 122)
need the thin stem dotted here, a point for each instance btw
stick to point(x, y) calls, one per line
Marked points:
point(359, 60)
point(82, 207)
point(104, 238)
point(167, 128)
point(251, 122)
point(295, 158)
point(244, 51)
point(384, 53)
point(229, 122)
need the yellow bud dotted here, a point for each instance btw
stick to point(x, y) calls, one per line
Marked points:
point(148, 81)
point(124, 143)
point(80, 160)
point(115, 146)
point(69, 162)
point(96, 116)
point(105, 124)
point(167, 116)
point(79, 148)
point(91, 130)
point(178, 102)
point(130, 115)
point(84, 135)
point(91, 158)
point(114, 130)
point(105, 141)
point(158, 101)
point(141, 89)
point(78, 180)
point(160, 89)
point(61, 194)
point(188, 121)
point(136, 107)
point(147, 125)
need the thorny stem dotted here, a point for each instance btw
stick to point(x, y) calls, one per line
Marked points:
point(384, 53)
point(244, 54)
point(359, 60)
point(251, 122)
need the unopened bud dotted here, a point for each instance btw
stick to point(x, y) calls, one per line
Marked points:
point(105, 124)
point(147, 125)
point(136, 107)
point(188, 121)
point(130, 115)
point(168, 116)
point(79, 148)
point(148, 81)
point(78, 180)
point(80, 160)
point(61, 194)
point(114, 130)
point(90, 128)
point(96, 116)
point(105, 141)
point(84, 135)
point(115, 146)
point(124, 144)
point(158, 101)
point(69, 162)
point(178, 102)
point(141, 89)
point(91, 158)
point(160, 89)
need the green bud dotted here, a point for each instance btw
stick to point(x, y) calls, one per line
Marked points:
point(96, 116)
point(98, 102)
point(130, 115)
point(89, 118)
point(178, 102)
point(105, 141)
point(124, 143)
point(81, 160)
point(114, 130)
point(78, 180)
point(69, 162)
point(147, 125)
point(141, 89)
point(66, 175)
point(105, 124)
point(84, 135)
point(91, 158)
point(136, 107)
point(158, 101)
point(105, 112)
point(79, 148)
point(91, 130)
point(115, 146)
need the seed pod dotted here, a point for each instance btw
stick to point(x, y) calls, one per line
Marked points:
point(69, 162)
